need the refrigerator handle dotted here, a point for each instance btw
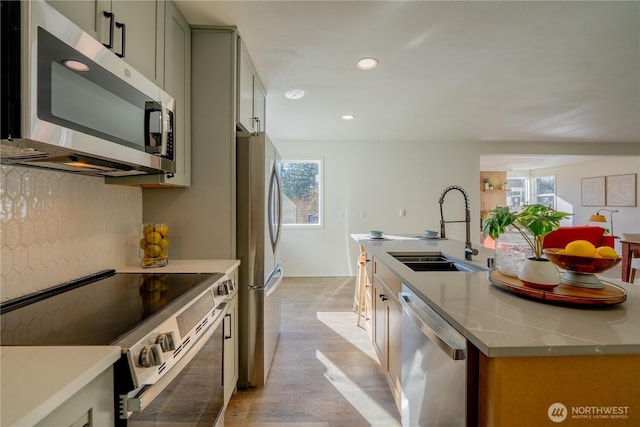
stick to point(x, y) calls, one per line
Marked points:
point(274, 281)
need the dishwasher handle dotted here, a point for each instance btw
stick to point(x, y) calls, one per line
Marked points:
point(435, 328)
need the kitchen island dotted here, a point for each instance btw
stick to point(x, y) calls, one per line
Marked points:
point(531, 354)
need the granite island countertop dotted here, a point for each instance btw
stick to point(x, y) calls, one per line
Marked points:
point(502, 324)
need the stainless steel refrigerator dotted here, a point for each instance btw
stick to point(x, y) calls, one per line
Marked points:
point(259, 221)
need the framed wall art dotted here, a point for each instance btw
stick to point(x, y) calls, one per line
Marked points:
point(622, 190)
point(593, 191)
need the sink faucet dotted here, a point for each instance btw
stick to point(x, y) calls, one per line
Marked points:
point(468, 249)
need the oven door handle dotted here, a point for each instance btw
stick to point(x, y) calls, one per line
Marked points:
point(149, 392)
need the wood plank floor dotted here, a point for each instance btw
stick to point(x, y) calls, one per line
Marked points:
point(325, 372)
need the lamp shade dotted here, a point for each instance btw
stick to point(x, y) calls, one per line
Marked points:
point(597, 218)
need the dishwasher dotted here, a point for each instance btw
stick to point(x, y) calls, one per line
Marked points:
point(434, 367)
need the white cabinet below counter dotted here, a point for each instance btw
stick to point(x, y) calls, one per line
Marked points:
point(57, 385)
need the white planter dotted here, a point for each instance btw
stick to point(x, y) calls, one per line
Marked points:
point(539, 273)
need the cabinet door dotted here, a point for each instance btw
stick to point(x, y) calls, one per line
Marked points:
point(92, 405)
point(81, 13)
point(177, 78)
point(394, 337)
point(245, 89)
point(144, 38)
point(143, 28)
point(230, 361)
point(380, 308)
point(259, 101)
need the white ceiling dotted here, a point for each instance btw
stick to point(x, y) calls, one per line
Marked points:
point(566, 71)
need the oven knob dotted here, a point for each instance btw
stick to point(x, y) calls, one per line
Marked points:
point(222, 289)
point(166, 342)
point(230, 285)
point(151, 355)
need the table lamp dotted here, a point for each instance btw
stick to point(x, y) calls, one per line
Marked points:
point(601, 218)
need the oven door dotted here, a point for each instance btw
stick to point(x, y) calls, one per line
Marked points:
point(192, 394)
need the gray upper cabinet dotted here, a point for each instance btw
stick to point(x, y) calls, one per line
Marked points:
point(177, 82)
point(251, 94)
point(177, 77)
point(132, 29)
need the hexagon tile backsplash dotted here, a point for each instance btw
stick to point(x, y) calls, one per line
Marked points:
point(55, 227)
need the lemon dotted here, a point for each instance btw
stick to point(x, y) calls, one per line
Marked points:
point(147, 229)
point(580, 248)
point(162, 229)
point(153, 237)
point(164, 243)
point(606, 252)
point(152, 251)
point(143, 243)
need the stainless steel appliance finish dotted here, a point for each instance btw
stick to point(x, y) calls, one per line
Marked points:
point(434, 369)
point(71, 105)
point(170, 328)
point(258, 232)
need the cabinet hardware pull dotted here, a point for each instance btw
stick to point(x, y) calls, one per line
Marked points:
point(123, 43)
point(110, 17)
point(228, 337)
point(383, 297)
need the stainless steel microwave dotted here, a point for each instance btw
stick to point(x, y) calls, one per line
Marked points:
point(70, 104)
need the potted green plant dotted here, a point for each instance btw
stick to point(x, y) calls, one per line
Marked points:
point(533, 222)
point(486, 183)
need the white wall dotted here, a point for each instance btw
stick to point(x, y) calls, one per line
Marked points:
point(380, 178)
point(568, 182)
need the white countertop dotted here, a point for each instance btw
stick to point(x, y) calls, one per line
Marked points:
point(503, 324)
point(225, 266)
point(36, 380)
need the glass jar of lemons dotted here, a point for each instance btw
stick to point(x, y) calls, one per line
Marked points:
point(154, 245)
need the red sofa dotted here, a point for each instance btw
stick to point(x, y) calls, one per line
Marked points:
point(564, 235)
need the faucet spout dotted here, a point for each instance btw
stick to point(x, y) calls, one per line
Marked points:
point(468, 248)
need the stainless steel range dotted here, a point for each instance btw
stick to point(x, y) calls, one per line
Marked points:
point(171, 328)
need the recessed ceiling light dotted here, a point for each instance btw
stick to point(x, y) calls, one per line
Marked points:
point(367, 63)
point(348, 117)
point(75, 65)
point(294, 93)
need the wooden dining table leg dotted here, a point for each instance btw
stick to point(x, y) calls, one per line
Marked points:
point(626, 260)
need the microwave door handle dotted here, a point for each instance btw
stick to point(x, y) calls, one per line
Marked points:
point(165, 130)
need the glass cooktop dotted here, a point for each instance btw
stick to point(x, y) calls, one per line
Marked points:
point(97, 313)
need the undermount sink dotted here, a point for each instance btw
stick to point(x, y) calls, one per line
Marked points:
point(433, 261)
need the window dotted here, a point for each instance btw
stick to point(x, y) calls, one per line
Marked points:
point(544, 190)
point(517, 193)
point(301, 193)
point(525, 191)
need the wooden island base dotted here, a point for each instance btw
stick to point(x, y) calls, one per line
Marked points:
point(595, 391)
